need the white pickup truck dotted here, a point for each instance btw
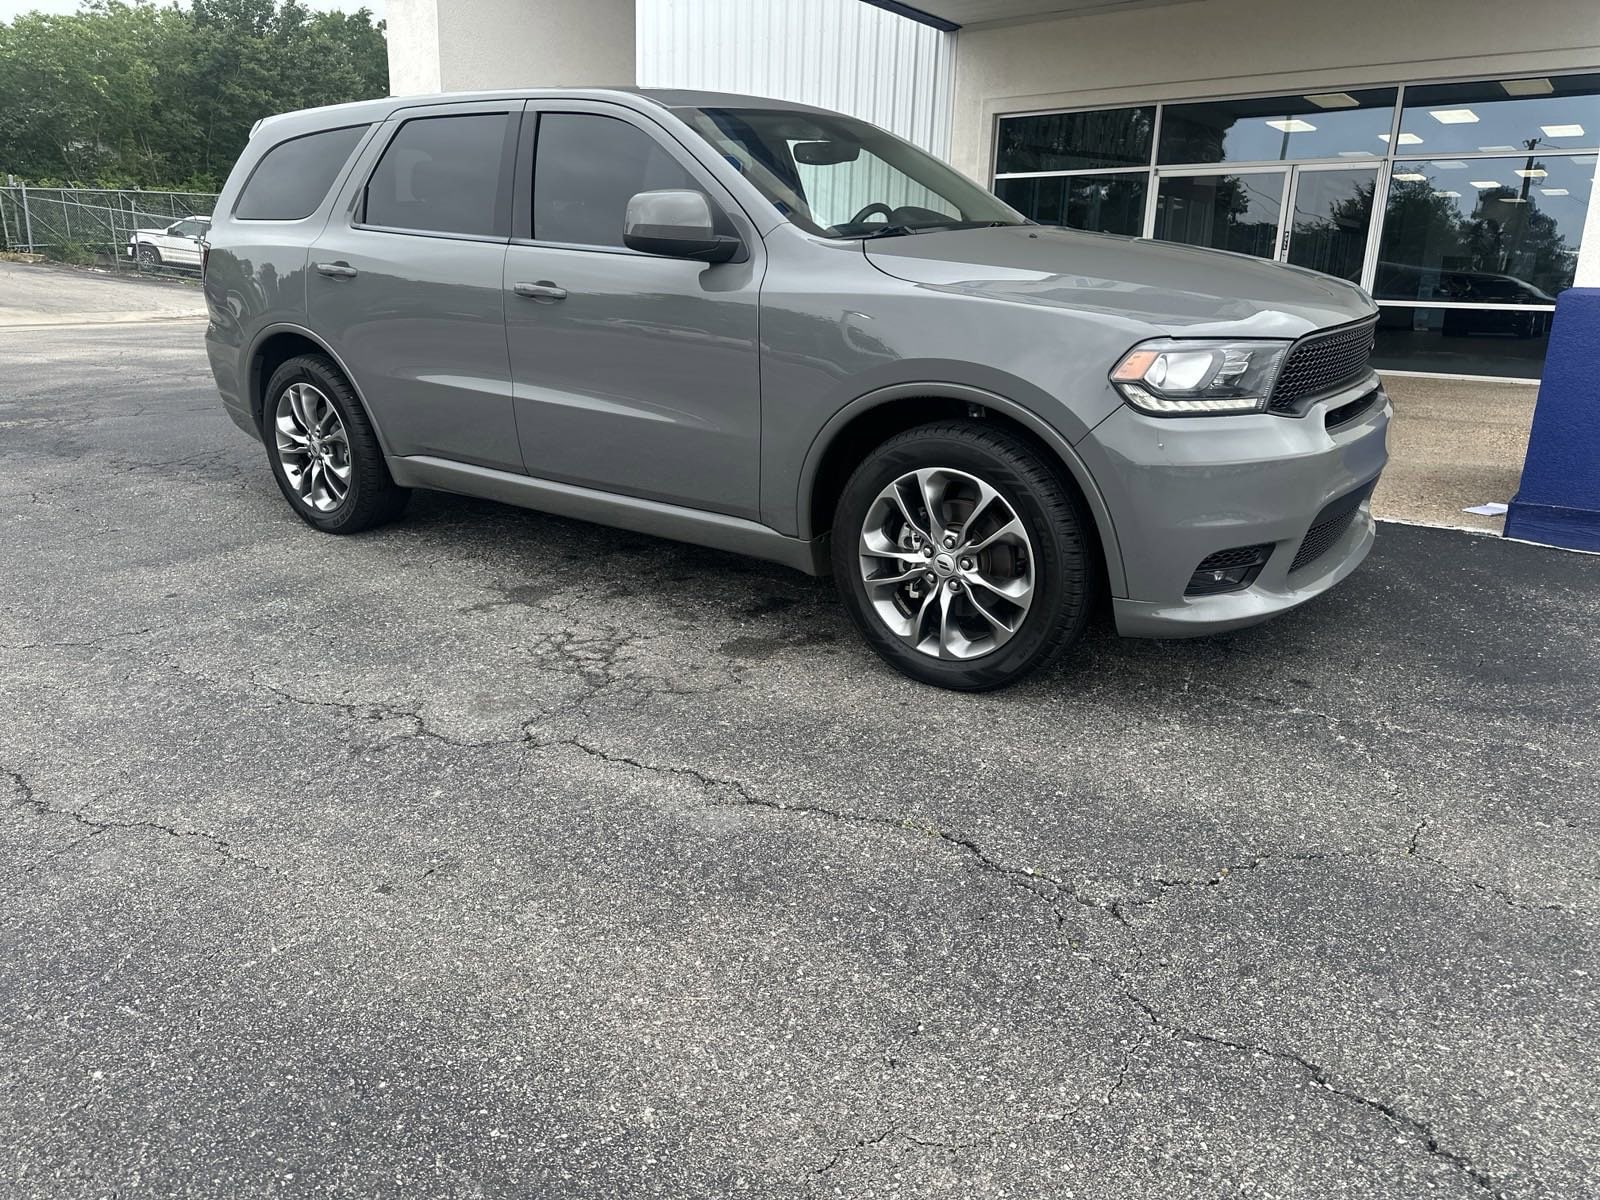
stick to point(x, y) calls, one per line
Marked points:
point(178, 245)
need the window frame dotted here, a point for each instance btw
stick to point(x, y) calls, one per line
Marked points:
point(513, 110)
point(722, 200)
point(335, 185)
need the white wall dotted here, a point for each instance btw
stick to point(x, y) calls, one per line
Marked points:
point(1221, 47)
point(839, 54)
point(465, 45)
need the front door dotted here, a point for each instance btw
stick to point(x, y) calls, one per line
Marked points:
point(405, 281)
point(632, 373)
point(1311, 216)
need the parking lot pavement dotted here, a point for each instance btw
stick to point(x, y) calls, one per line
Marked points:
point(493, 854)
point(50, 294)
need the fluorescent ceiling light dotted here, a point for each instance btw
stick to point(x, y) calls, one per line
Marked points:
point(1554, 192)
point(1527, 87)
point(1406, 139)
point(1485, 183)
point(1450, 164)
point(1334, 100)
point(1409, 176)
point(1453, 116)
point(1562, 130)
point(1449, 195)
point(1532, 172)
point(1584, 160)
point(1511, 199)
point(1293, 125)
point(1498, 149)
point(1356, 154)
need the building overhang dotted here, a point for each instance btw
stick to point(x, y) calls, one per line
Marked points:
point(951, 15)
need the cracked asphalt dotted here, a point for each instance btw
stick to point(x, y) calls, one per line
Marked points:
point(492, 854)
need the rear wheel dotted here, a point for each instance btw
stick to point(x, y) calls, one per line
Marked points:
point(962, 556)
point(323, 451)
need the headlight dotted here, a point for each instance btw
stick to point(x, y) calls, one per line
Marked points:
point(1172, 377)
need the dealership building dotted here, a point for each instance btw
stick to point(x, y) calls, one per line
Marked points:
point(1442, 153)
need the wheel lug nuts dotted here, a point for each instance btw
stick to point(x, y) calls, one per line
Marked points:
point(949, 540)
point(931, 577)
point(966, 564)
point(927, 552)
point(955, 585)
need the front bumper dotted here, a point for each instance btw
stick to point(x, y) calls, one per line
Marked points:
point(1181, 489)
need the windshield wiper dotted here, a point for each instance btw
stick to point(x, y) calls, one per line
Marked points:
point(891, 231)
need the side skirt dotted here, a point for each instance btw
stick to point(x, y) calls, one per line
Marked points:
point(733, 534)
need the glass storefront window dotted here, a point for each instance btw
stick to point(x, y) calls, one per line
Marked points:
point(1098, 203)
point(1224, 212)
point(1561, 112)
point(1278, 128)
point(1462, 341)
point(1485, 230)
point(1115, 137)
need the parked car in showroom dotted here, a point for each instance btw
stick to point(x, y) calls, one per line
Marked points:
point(784, 332)
point(177, 245)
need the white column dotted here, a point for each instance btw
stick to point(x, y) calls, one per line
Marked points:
point(468, 45)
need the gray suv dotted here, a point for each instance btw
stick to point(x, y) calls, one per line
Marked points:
point(783, 332)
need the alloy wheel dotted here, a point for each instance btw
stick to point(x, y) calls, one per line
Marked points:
point(313, 448)
point(947, 563)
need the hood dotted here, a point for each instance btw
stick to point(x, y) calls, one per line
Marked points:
point(1176, 289)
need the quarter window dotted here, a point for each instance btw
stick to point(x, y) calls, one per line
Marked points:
point(443, 175)
point(586, 169)
point(290, 181)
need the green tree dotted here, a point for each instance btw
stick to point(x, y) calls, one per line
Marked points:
point(136, 94)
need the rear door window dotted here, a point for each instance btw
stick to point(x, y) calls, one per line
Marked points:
point(291, 179)
point(444, 175)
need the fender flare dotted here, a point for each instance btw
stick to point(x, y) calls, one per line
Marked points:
point(258, 399)
point(1068, 456)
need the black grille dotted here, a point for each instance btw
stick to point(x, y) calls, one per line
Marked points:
point(1239, 556)
point(1329, 526)
point(1346, 413)
point(1322, 362)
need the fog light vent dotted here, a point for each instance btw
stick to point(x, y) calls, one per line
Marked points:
point(1228, 570)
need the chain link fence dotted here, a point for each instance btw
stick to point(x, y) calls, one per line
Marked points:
point(89, 224)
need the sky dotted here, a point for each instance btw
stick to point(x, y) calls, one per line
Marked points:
point(10, 8)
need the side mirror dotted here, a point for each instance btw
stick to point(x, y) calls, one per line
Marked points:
point(676, 223)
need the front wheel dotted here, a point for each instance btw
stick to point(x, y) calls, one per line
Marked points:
point(962, 556)
point(149, 257)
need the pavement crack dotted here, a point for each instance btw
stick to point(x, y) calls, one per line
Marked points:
point(1037, 884)
point(26, 796)
point(1321, 1077)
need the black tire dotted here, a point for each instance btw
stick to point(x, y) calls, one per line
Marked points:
point(373, 498)
point(149, 258)
point(1066, 568)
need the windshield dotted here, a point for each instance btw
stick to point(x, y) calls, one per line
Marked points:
point(841, 178)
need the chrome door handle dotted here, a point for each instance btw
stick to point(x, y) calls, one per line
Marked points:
point(336, 270)
point(543, 290)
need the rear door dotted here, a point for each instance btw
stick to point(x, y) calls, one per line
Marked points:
point(405, 281)
point(634, 373)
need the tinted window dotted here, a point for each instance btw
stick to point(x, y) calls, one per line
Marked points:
point(1279, 128)
point(1099, 203)
point(1484, 230)
point(1113, 137)
point(1224, 212)
point(443, 175)
point(1561, 112)
point(586, 169)
point(292, 178)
